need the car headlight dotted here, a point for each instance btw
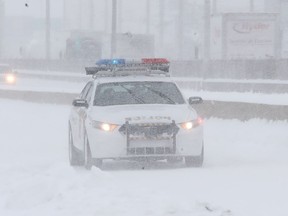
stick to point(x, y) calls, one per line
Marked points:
point(192, 124)
point(103, 126)
point(10, 78)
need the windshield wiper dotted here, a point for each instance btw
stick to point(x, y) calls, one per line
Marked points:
point(139, 100)
point(161, 95)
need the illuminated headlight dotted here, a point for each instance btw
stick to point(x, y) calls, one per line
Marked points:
point(191, 124)
point(10, 78)
point(103, 126)
point(187, 125)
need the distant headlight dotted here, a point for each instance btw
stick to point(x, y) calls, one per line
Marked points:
point(103, 126)
point(191, 124)
point(10, 78)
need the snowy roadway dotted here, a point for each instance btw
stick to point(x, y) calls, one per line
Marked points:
point(62, 84)
point(245, 172)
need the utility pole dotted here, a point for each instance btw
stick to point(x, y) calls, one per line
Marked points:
point(180, 28)
point(114, 28)
point(48, 30)
point(206, 60)
point(106, 18)
point(120, 18)
point(207, 30)
point(161, 22)
point(147, 16)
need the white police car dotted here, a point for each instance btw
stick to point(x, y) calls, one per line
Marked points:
point(133, 110)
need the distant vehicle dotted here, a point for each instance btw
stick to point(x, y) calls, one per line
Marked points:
point(83, 48)
point(7, 74)
point(133, 110)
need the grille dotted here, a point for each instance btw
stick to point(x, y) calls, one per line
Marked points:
point(149, 131)
point(150, 151)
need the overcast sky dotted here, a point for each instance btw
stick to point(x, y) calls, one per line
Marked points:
point(36, 8)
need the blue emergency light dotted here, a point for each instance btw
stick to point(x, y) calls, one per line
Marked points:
point(118, 66)
point(106, 62)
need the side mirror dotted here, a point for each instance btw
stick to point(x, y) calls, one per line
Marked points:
point(195, 100)
point(80, 103)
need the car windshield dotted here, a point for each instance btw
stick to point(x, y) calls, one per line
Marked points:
point(121, 93)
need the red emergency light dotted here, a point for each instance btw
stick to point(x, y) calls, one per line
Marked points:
point(155, 61)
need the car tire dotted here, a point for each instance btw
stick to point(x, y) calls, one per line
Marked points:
point(74, 157)
point(195, 161)
point(88, 163)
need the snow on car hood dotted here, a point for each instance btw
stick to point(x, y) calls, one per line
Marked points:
point(142, 113)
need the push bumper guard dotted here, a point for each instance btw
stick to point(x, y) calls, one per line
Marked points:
point(150, 132)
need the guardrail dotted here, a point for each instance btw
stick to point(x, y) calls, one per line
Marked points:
point(196, 84)
point(217, 109)
point(39, 97)
point(226, 69)
point(234, 86)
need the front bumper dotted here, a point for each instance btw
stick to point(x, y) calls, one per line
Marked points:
point(123, 142)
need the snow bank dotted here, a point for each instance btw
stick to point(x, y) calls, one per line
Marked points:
point(247, 97)
point(245, 171)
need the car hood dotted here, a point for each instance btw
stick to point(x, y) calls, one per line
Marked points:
point(142, 113)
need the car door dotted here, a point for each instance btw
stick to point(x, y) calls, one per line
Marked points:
point(76, 120)
point(82, 114)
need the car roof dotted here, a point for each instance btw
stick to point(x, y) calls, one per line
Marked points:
point(133, 79)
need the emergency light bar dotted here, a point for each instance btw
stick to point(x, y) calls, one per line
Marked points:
point(144, 66)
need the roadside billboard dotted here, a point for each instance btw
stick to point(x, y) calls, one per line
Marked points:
point(245, 36)
point(251, 36)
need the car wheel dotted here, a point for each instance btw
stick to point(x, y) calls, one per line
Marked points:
point(87, 155)
point(195, 161)
point(74, 157)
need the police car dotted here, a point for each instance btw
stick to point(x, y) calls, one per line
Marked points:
point(133, 110)
point(7, 75)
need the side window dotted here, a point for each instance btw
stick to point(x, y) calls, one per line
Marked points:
point(89, 93)
point(85, 90)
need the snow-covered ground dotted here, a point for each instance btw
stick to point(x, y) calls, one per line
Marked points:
point(60, 84)
point(42, 85)
point(243, 175)
point(247, 97)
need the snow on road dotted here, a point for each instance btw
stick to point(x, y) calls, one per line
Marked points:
point(42, 85)
point(245, 172)
point(59, 83)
